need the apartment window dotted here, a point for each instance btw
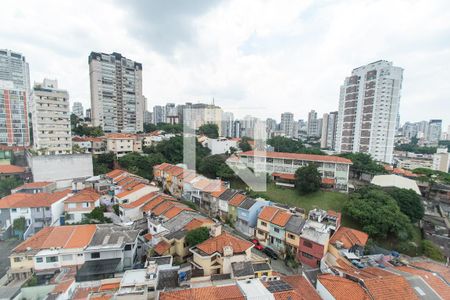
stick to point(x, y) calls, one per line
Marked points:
point(307, 244)
point(67, 257)
point(51, 259)
point(307, 255)
point(213, 258)
point(276, 230)
point(39, 259)
point(14, 210)
point(95, 255)
point(263, 223)
point(72, 205)
point(85, 204)
point(127, 247)
point(47, 208)
point(291, 236)
point(17, 259)
point(260, 232)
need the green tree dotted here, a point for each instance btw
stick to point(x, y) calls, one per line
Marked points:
point(432, 251)
point(149, 127)
point(214, 166)
point(7, 184)
point(244, 144)
point(409, 202)
point(77, 149)
point(378, 214)
point(172, 150)
point(284, 144)
point(85, 130)
point(363, 163)
point(141, 165)
point(196, 236)
point(20, 224)
point(103, 163)
point(307, 179)
point(170, 128)
point(210, 130)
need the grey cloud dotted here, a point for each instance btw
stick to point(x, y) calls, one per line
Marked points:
point(165, 25)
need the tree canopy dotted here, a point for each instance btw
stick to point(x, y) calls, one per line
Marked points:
point(307, 179)
point(196, 236)
point(7, 184)
point(244, 144)
point(168, 128)
point(210, 130)
point(284, 144)
point(214, 166)
point(103, 163)
point(363, 163)
point(378, 214)
point(141, 165)
point(409, 202)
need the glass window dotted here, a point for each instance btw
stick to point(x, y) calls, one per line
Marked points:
point(50, 259)
point(95, 255)
point(39, 259)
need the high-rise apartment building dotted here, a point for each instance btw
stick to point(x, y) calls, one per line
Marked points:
point(441, 159)
point(368, 108)
point(14, 99)
point(51, 118)
point(88, 113)
point(329, 124)
point(148, 117)
point(227, 124)
point(77, 109)
point(314, 125)
point(271, 126)
point(197, 114)
point(159, 114)
point(434, 131)
point(117, 102)
point(171, 114)
point(287, 124)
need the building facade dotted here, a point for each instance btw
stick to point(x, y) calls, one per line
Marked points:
point(117, 102)
point(287, 124)
point(313, 125)
point(14, 99)
point(159, 114)
point(329, 124)
point(368, 108)
point(78, 110)
point(51, 119)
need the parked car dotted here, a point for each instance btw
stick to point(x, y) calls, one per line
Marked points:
point(258, 246)
point(270, 253)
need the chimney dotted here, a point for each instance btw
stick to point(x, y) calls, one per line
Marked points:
point(215, 230)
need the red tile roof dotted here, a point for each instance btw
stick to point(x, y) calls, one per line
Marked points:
point(162, 166)
point(141, 201)
point(163, 207)
point(390, 288)
point(115, 173)
point(228, 292)
point(349, 237)
point(302, 286)
point(62, 287)
point(431, 266)
point(130, 191)
point(148, 236)
point(121, 136)
point(216, 244)
point(75, 236)
point(161, 247)
point(343, 289)
point(438, 285)
point(216, 194)
point(237, 200)
point(281, 218)
point(284, 176)
point(267, 213)
point(156, 201)
point(298, 156)
point(196, 223)
point(86, 195)
point(329, 181)
point(32, 200)
point(34, 185)
point(11, 169)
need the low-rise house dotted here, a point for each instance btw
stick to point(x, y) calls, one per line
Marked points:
point(339, 288)
point(112, 245)
point(293, 230)
point(223, 197)
point(35, 187)
point(123, 143)
point(347, 240)
point(316, 234)
point(77, 206)
point(50, 249)
point(131, 194)
point(215, 255)
point(233, 205)
point(10, 171)
point(247, 214)
point(133, 211)
point(95, 145)
point(38, 210)
point(220, 145)
point(249, 270)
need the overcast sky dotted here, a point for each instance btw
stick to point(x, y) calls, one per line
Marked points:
point(252, 57)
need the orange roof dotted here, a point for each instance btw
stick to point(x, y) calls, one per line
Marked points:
point(190, 177)
point(185, 174)
point(162, 166)
point(284, 176)
point(343, 289)
point(431, 266)
point(237, 200)
point(214, 185)
point(11, 169)
point(202, 183)
point(217, 243)
point(227, 292)
point(148, 236)
point(32, 200)
point(267, 213)
point(131, 190)
point(438, 285)
point(120, 136)
point(141, 201)
point(115, 173)
point(287, 295)
point(34, 185)
point(174, 170)
point(196, 223)
point(390, 288)
point(75, 236)
point(298, 156)
point(174, 211)
point(109, 286)
point(163, 207)
point(86, 195)
point(328, 181)
point(155, 202)
point(281, 218)
point(349, 237)
point(161, 247)
point(62, 287)
point(302, 286)
point(216, 194)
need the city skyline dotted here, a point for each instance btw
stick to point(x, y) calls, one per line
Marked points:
point(257, 61)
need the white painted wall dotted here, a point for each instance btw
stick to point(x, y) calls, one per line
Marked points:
point(323, 292)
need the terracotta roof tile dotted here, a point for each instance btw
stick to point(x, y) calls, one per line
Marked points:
point(62, 287)
point(267, 213)
point(281, 218)
point(343, 289)
point(328, 181)
point(162, 166)
point(216, 194)
point(174, 211)
point(130, 191)
point(287, 295)
point(141, 201)
point(202, 183)
point(434, 267)
point(298, 156)
point(156, 201)
point(228, 292)
point(32, 200)
point(86, 195)
point(390, 288)
point(109, 287)
point(161, 247)
point(438, 285)
point(11, 169)
point(302, 286)
point(349, 237)
point(196, 223)
point(148, 236)
point(163, 207)
point(115, 173)
point(216, 244)
point(237, 200)
point(175, 170)
point(284, 176)
point(34, 185)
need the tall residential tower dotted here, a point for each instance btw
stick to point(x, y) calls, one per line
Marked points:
point(368, 109)
point(117, 102)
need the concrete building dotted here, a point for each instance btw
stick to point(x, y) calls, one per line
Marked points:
point(88, 114)
point(80, 204)
point(172, 116)
point(287, 124)
point(227, 124)
point(328, 136)
point(368, 108)
point(441, 160)
point(78, 110)
point(51, 119)
point(220, 145)
point(14, 99)
point(314, 129)
point(117, 102)
point(198, 114)
point(434, 131)
point(159, 114)
point(148, 117)
point(123, 143)
point(271, 126)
